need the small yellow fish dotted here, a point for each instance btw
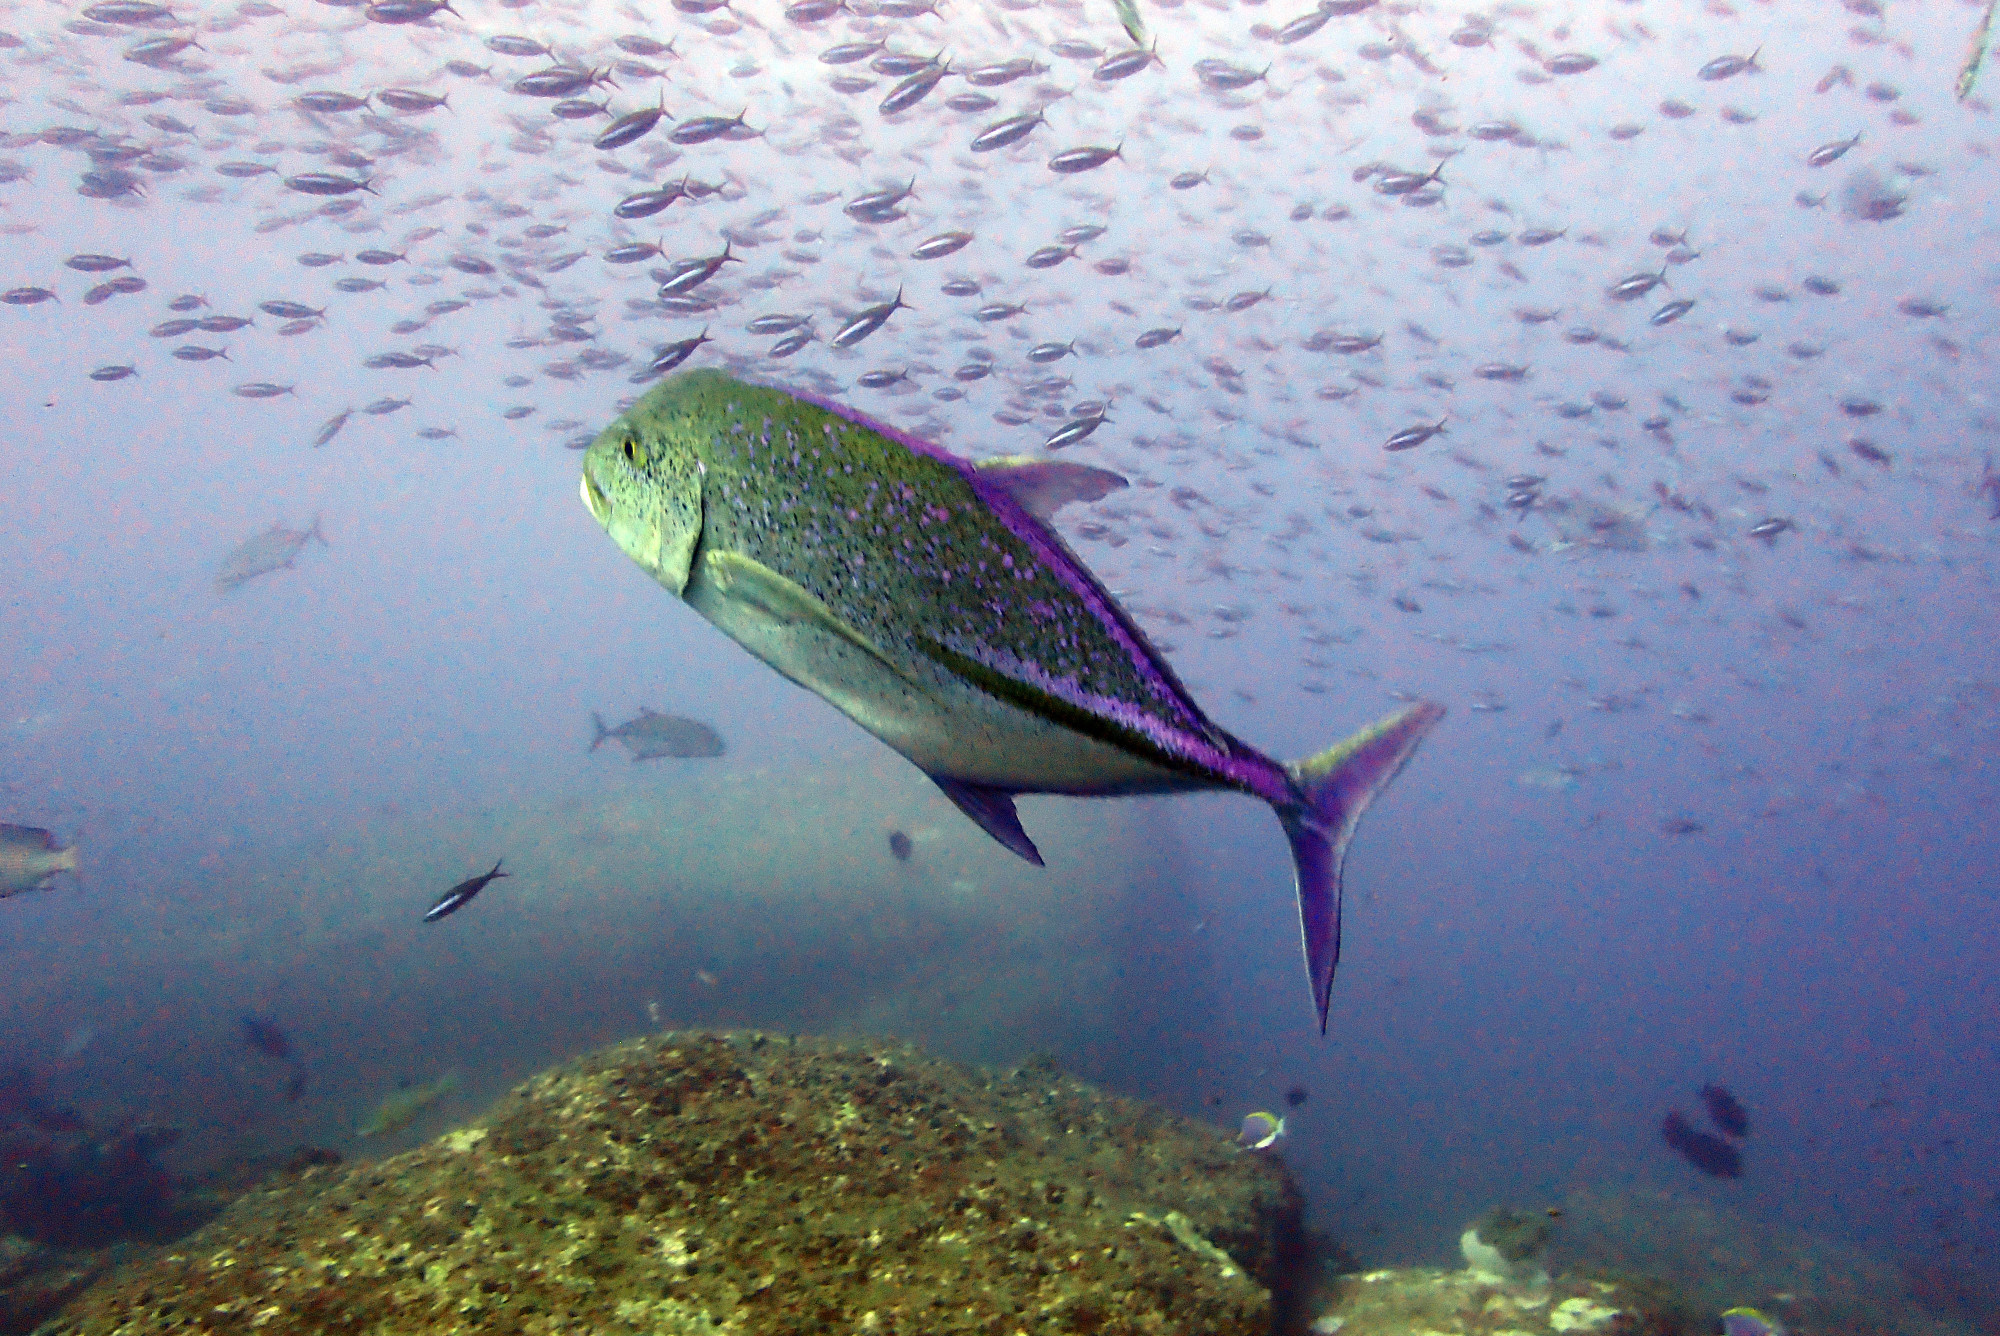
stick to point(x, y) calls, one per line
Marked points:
point(1260, 1130)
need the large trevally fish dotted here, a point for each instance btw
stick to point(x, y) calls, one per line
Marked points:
point(261, 553)
point(929, 599)
point(29, 857)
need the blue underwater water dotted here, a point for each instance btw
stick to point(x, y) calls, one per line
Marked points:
point(1706, 588)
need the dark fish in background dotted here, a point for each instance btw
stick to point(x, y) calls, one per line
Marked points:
point(82, 1187)
point(260, 554)
point(19, 1094)
point(899, 845)
point(461, 895)
point(29, 857)
point(1867, 198)
point(331, 427)
point(652, 735)
point(60, 1119)
point(22, 1104)
point(1296, 1096)
point(265, 1036)
point(1726, 1111)
point(1705, 1151)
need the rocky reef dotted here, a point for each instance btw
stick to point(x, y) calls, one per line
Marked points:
point(703, 1183)
point(36, 1280)
point(1424, 1301)
point(1504, 1290)
point(1628, 1264)
point(1716, 1256)
point(75, 1197)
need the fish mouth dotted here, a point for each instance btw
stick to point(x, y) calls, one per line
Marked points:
point(593, 500)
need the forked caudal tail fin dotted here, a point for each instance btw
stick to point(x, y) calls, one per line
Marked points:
point(597, 722)
point(1337, 785)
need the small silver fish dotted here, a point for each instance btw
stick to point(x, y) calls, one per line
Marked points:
point(1010, 131)
point(459, 896)
point(941, 245)
point(1826, 154)
point(1636, 286)
point(868, 321)
point(1073, 160)
point(1728, 67)
point(1409, 438)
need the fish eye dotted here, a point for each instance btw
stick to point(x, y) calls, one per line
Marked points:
point(635, 454)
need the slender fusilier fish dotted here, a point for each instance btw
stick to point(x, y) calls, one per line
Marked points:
point(1976, 54)
point(459, 896)
point(929, 599)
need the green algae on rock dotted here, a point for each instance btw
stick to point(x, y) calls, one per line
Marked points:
point(1470, 1303)
point(692, 1183)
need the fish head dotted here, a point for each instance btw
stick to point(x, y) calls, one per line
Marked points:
point(642, 479)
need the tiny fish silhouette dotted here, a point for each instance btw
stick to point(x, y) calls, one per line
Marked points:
point(1706, 1152)
point(1726, 1111)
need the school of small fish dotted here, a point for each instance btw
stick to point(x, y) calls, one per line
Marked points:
point(1319, 280)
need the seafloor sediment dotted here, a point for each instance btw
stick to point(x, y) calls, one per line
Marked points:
point(703, 1183)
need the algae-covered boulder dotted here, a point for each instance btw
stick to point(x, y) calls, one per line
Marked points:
point(696, 1183)
point(1430, 1302)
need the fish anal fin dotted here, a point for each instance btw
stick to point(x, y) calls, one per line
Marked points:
point(993, 810)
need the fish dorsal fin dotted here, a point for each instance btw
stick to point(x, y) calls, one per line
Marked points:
point(1044, 486)
point(994, 810)
point(25, 837)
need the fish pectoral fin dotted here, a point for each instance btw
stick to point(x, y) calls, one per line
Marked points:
point(1044, 486)
point(994, 810)
point(749, 585)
